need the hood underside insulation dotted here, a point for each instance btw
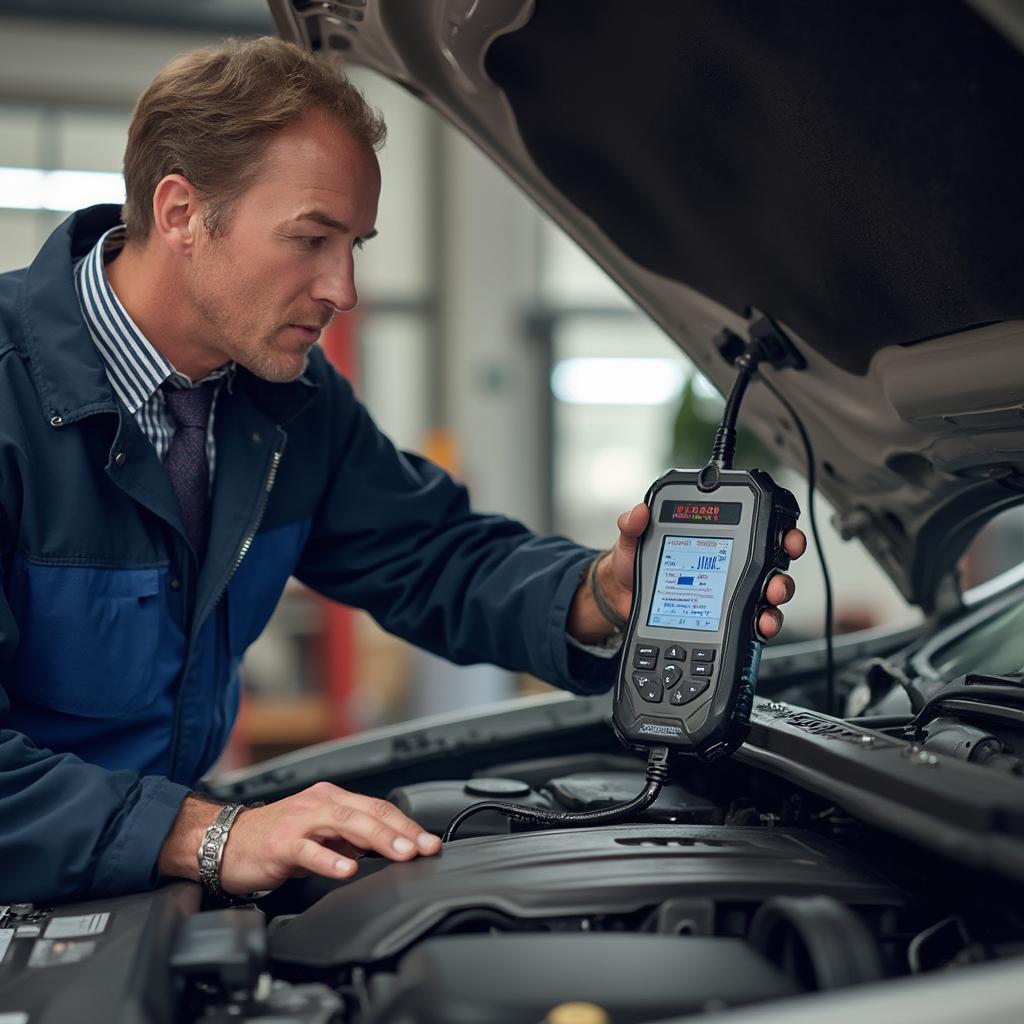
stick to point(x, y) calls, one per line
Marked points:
point(851, 169)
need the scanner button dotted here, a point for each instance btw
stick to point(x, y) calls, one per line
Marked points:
point(644, 663)
point(675, 654)
point(648, 687)
point(703, 654)
point(702, 668)
point(688, 691)
point(670, 675)
point(646, 651)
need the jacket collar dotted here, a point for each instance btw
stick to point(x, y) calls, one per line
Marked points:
point(64, 363)
point(67, 370)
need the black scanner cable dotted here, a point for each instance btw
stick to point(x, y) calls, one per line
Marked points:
point(830, 670)
point(725, 437)
point(725, 445)
point(657, 775)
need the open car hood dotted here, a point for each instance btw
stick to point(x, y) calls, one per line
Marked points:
point(851, 171)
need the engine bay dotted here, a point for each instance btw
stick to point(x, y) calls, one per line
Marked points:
point(746, 883)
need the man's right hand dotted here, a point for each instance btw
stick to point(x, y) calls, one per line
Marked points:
point(321, 831)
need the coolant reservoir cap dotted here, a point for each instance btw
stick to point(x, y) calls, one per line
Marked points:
point(577, 1013)
point(504, 788)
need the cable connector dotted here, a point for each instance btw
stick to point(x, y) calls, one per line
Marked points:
point(767, 344)
point(658, 765)
point(774, 346)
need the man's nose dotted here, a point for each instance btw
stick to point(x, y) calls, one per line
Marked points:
point(337, 288)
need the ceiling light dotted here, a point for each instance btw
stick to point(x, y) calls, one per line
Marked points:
point(610, 381)
point(28, 188)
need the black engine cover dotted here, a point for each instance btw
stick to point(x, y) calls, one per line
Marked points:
point(574, 872)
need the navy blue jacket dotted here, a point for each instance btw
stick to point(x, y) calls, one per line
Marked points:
point(119, 656)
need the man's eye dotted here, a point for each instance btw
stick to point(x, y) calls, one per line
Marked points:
point(312, 241)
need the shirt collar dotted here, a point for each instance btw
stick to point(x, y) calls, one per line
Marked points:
point(135, 368)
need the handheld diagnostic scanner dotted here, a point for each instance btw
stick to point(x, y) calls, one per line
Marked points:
point(691, 649)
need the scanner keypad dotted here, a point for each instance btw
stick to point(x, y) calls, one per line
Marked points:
point(660, 672)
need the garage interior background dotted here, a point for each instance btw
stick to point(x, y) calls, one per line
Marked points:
point(483, 338)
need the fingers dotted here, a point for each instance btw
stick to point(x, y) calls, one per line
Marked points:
point(631, 526)
point(769, 623)
point(308, 855)
point(633, 523)
point(372, 824)
point(366, 832)
point(390, 815)
point(341, 846)
point(780, 589)
point(795, 543)
point(353, 825)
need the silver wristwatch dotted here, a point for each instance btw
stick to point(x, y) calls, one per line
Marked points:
point(211, 849)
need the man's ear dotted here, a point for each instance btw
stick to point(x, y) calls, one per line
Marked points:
point(176, 214)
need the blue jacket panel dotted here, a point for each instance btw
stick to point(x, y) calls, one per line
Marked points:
point(119, 654)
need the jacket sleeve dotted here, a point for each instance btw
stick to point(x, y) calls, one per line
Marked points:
point(69, 828)
point(395, 535)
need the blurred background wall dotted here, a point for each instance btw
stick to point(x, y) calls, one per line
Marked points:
point(482, 338)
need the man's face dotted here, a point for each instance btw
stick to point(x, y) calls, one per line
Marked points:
point(265, 287)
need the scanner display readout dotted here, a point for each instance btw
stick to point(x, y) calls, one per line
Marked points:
point(689, 586)
point(717, 513)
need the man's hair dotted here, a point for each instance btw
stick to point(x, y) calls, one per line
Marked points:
point(210, 115)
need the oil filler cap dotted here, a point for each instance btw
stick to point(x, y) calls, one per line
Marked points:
point(505, 789)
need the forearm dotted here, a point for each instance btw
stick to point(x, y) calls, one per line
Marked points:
point(394, 535)
point(73, 829)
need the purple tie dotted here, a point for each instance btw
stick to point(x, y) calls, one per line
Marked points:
point(186, 460)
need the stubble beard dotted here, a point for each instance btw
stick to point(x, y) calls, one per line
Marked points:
point(260, 358)
point(264, 362)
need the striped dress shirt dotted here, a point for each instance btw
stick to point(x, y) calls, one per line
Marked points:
point(136, 370)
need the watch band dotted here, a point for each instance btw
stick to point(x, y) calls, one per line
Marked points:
point(211, 849)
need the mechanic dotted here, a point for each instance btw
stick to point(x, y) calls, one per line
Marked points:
point(174, 446)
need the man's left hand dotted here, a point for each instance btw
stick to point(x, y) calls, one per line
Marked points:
point(615, 578)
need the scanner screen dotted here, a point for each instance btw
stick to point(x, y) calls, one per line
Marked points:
point(690, 583)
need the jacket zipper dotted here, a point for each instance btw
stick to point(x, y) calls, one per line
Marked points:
point(250, 536)
point(243, 550)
